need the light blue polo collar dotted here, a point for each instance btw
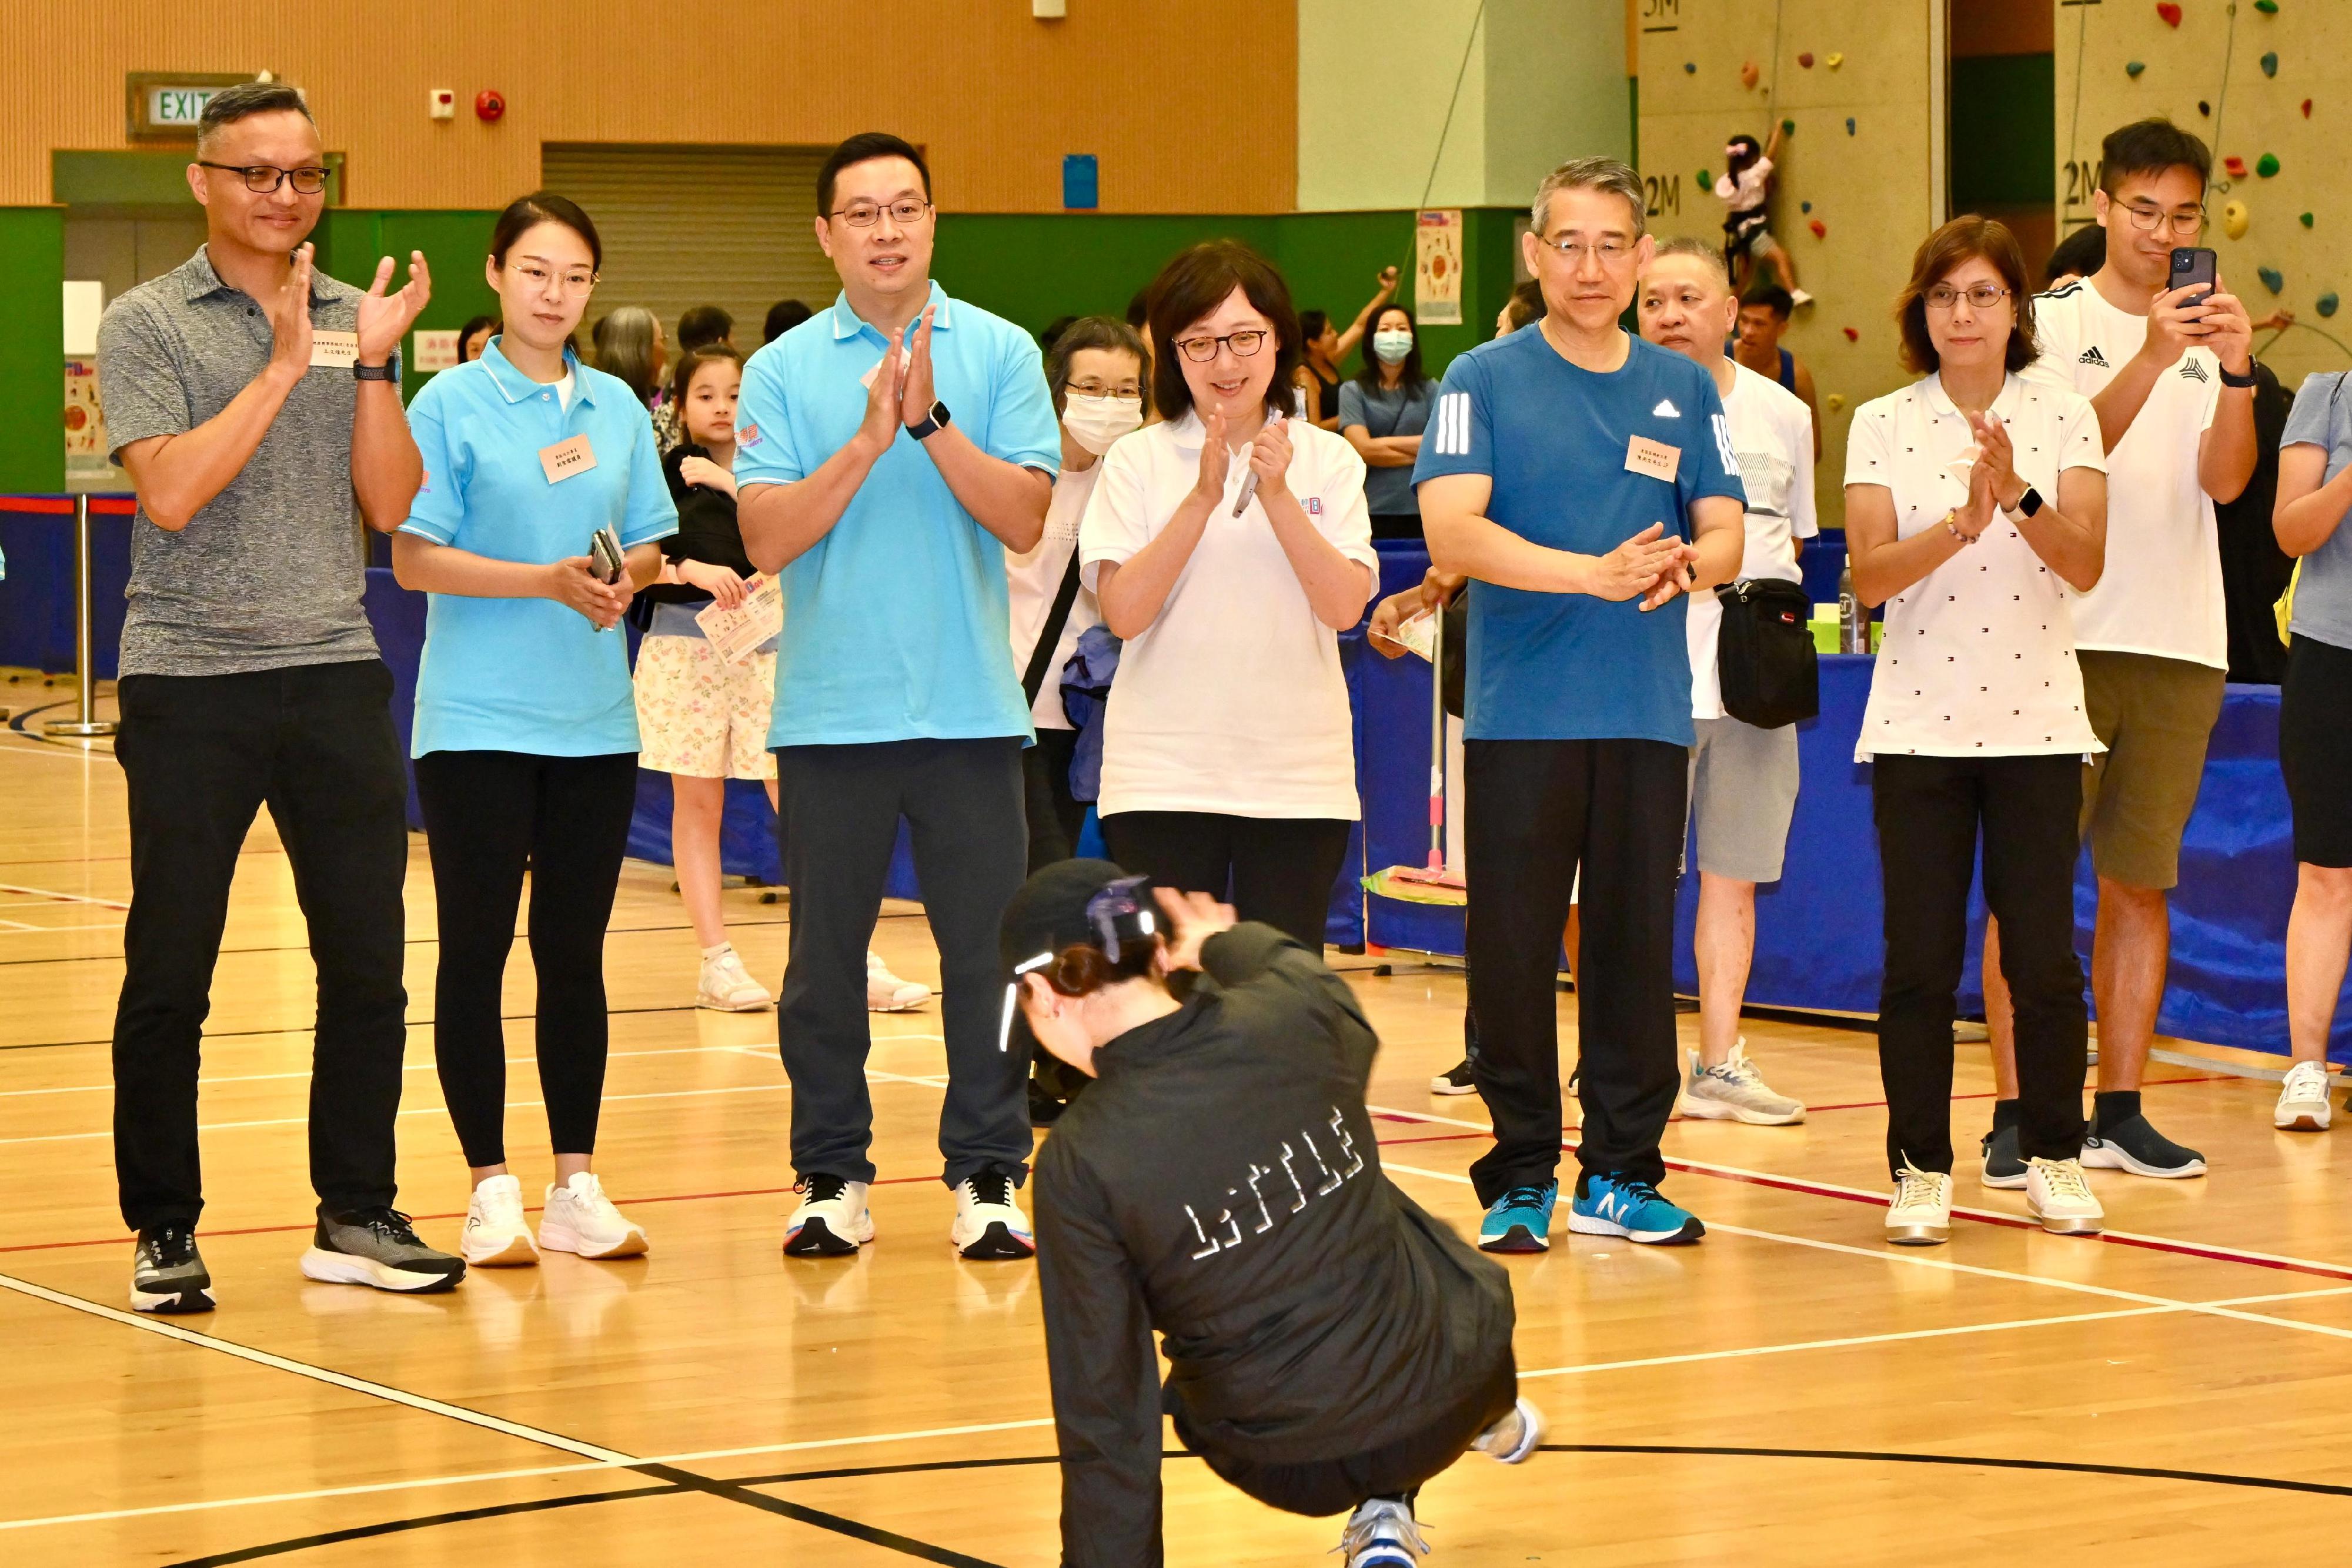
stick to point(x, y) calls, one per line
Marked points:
point(847, 323)
point(514, 386)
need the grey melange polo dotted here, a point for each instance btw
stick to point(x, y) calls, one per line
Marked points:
point(268, 574)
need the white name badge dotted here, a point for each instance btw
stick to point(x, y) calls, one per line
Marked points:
point(1655, 458)
point(567, 459)
point(333, 350)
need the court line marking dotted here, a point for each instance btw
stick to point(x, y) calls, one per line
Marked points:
point(2211, 1252)
point(52, 894)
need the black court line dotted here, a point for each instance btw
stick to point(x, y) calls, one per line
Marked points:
point(1964, 1461)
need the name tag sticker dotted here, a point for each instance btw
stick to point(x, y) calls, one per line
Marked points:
point(567, 459)
point(333, 350)
point(1655, 458)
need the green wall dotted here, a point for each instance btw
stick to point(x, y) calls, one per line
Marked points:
point(32, 357)
point(2004, 132)
point(350, 241)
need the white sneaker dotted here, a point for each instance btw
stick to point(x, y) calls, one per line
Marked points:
point(1382, 1534)
point(886, 993)
point(1736, 1092)
point(497, 1235)
point(579, 1219)
point(832, 1222)
point(729, 987)
point(2059, 1195)
point(988, 1222)
point(1515, 1437)
point(1920, 1214)
point(1799, 298)
point(2303, 1104)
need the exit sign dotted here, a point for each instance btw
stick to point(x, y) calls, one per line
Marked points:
point(164, 106)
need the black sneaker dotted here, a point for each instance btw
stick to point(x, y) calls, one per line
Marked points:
point(1045, 1110)
point(2132, 1145)
point(2004, 1165)
point(1454, 1080)
point(379, 1247)
point(167, 1273)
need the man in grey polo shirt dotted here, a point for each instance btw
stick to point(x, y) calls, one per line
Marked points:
point(257, 406)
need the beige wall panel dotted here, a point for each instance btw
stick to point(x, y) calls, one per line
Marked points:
point(2251, 113)
point(996, 95)
point(1877, 192)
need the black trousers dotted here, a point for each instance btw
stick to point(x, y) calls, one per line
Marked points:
point(1535, 811)
point(962, 802)
point(1056, 816)
point(488, 816)
point(1278, 870)
point(1929, 811)
point(202, 754)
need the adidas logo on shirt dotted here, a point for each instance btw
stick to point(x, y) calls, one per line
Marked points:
point(2091, 356)
point(2193, 371)
point(1666, 409)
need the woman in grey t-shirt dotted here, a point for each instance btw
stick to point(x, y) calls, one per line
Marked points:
point(1383, 412)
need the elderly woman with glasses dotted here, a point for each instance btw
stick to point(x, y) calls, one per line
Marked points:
point(1229, 547)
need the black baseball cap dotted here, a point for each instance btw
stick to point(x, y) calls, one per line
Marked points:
point(1069, 904)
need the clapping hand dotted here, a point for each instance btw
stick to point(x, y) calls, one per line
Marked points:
point(1269, 456)
point(880, 425)
point(915, 393)
point(1216, 460)
point(1997, 461)
point(290, 317)
point(384, 319)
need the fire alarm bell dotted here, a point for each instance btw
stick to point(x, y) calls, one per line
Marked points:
point(441, 104)
point(488, 104)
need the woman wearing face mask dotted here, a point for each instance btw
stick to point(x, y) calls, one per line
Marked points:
point(1095, 374)
point(1229, 548)
point(526, 737)
point(1383, 412)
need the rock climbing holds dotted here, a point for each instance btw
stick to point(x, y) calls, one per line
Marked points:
point(2327, 303)
point(2305, 220)
point(2236, 167)
point(2133, 68)
point(2306, 108)
point(1849, 125)
point(1705, 181)
point(2235, 220)
point(2205, 109)
point(1834, 61)
point(2169, 12)
point(1805, 207)
point(1852, 336)
point(2273, 279)
point(2268, 165)
point(1820, 230)
point(1788, 128)
point(2267, 7)
point(1806, 59)
point(1836, 401)
point(1749, 73)
point(1690, 67)
point(2270, 63)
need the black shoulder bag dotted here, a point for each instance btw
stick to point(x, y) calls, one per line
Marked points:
point(1770, 670)
point(1049, 637)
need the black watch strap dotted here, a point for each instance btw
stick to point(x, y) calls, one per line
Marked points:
point(936, 420)
point(388, 371)
point(2249, 379)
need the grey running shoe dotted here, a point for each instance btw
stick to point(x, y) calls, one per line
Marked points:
point(2004, 1165)
point(167, 1273)
point(378, 1247)
point(1733, 1091)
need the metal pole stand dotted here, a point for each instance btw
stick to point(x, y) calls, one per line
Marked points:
point(85, 725)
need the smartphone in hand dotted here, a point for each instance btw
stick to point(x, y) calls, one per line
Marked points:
point(604, 555)
point(2194, 267)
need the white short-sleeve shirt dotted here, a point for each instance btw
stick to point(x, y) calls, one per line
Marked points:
point(1035, 577)
point(2161, 591)
point(1977, 658)
point(1772, 434)
point(1232, 701)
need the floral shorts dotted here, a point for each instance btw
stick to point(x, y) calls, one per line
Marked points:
point(700, 716)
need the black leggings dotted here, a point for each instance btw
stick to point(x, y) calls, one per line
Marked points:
point(489, 815)
point(1279, 869)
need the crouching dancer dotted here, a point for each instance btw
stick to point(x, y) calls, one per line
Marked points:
point(1332, 1346)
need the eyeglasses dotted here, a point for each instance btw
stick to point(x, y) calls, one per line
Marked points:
point(865, 215)
point(544, 281)
point(1200, 351)
point(263, 178)
point(1983, 295)
point(1097, 389)
point(2146, 217)
point(1610, 250)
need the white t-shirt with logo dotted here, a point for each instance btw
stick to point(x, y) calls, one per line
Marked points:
point(1032, 580)
point(1977, 657)
point(1772, 434)
point(2161, 591)
point(1233, 700)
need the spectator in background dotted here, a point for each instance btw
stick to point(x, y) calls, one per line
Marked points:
point(700, 327)
point(1524, 308)
point(630, 347)
point(2076, 256)
point(1318, 377)
point(1228, 748)
point(1756, 343)
point(1052, 330)
point(1383, 412)
point(782, 317)
point(474, 337)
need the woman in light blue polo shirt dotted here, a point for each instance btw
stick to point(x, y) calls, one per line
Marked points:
point(526, 738)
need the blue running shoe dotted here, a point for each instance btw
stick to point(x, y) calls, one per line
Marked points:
point(1631, 1207)
point(1520, 1221)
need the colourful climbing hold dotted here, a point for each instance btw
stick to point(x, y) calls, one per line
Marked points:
point(1852, 336)
point(1836, 401)
point(2267, 7)
point(1806, 59)
point(1820, 230)
point(1788, 127)
point(2305, 220)
point(1691, 66)
point(2306, 108)
point(2204, 108)
point(1834, 61)
point(2133, 68)
point(2327, 303)
point(2236, 166)
point(2270, 63)
point(2169, 12)
point(1849, 125)
point(1805, 207)
point(2273, 279)
point(2268, 166)
point(2235, 220)
point(1749, 73)
point(1706, 182)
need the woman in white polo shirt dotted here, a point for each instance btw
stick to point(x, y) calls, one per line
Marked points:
point(1228, 748)
point(1976, 511)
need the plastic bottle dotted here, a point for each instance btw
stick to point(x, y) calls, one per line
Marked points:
point(1854, 625)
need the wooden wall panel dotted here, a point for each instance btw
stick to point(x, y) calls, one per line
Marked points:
point(996, 97)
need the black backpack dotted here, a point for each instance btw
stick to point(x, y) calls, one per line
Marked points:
point(1770, 670)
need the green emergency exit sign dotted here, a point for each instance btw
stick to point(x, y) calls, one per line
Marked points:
point(164, 106)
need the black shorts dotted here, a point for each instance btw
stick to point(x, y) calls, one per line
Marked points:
point(2315, 749)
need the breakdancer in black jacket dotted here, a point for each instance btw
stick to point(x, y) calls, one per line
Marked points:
point(1331, 1345)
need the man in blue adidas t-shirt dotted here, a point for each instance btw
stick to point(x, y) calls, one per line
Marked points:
point(1585, 482)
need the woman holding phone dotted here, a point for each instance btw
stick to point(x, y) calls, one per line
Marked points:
point(538, 470)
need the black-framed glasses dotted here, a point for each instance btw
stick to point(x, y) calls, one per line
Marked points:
point(2148, 218)
point(1982, 295)
point(905, 212)
point(1244, 343)
point(263, 178)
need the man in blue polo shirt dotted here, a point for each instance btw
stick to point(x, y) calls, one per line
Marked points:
point(889, 450)
point(1585, 482)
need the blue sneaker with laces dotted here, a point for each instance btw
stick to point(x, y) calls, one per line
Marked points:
point(1520, 1220)
point(1629, 1207)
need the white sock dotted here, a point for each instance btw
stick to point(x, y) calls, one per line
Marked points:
point(710, 953)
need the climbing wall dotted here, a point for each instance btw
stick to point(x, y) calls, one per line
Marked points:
point(2268, 85)
point(1860, 179)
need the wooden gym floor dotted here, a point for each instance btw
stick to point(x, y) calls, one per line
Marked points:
point(1790, 1391)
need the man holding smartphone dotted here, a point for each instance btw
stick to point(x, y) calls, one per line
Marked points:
point(2170, 373)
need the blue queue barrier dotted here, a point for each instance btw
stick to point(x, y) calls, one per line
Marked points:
point(36, 595)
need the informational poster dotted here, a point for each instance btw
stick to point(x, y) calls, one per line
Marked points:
point(433, 348)
point(87, 467)
point(1437, 269)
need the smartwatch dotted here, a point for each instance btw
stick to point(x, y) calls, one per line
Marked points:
point(932, 422)
point(2027, 506)
point(2246, 381)
point(388, 371)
